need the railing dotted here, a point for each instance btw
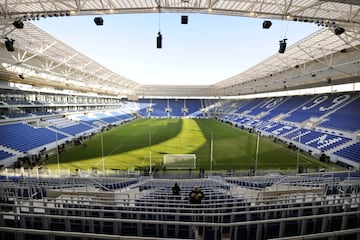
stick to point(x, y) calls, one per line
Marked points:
point(43, 172)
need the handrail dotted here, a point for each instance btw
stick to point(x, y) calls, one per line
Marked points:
point(101, 185)
point(161, 211)
point(78, 234)
point(332, 234)
point(194, 223)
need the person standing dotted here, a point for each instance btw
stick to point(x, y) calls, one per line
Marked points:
point(176, 189)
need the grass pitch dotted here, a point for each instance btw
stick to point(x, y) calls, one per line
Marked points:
point(133, 145)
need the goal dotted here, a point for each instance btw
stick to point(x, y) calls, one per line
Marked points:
point(180, 161)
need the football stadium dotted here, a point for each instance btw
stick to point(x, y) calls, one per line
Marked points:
point(272, 152)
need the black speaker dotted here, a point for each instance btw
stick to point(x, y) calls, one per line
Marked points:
point(9, 44)
point(18, 24)
point(267, 24)
point(159, 40)
point(184, 19)
point(339, 31)
point(99, 21)
point(282, 46)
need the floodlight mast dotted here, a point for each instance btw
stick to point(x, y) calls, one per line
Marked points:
point(57, 152)
point(257, 152)
point(102, 152)
point(298, 154)
point(211, 154)
point(150, 171)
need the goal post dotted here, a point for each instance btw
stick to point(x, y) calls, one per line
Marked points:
point(180, 161)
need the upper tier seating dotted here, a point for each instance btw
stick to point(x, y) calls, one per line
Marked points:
point(266, 105)
point(319, 106)
point(250, 104)
point(285, 106)
point(345, 118)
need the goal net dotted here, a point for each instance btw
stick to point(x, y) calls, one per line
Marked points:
point(180, 161)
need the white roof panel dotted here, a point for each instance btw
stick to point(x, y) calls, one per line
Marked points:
point(42, 53)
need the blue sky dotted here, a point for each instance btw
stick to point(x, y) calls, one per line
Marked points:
point(210, 48)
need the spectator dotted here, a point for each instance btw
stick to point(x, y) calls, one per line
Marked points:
point(176, 189)
point(196, 195)
point(201, 172)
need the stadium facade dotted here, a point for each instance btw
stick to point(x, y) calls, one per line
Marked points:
point(50, 94)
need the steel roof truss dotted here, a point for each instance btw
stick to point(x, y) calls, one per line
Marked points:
point(349, 39)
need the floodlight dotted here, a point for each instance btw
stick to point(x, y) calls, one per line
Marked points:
point(267, 24)
point(339, 31)
point(159, 40)
point(18, 24)
point(184, 19)
point(99, 21)
point(282, 46)
point(9, 44)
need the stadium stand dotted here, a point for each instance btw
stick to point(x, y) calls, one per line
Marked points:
point(4, 155)
point(35, 203)
point(123, 116)
point(107, 119)
point(319, 106)
point(49, 92)
point(247, 107)
point(23, 137)
point(193, 107)
point(91, 121)
point(143, 107)
point(343, 118)
point(317, 117)
point(160, 108)
point(176, 106)
point(351, 152)
point(286, 106)
point(326, 122)
point(317, 140)
point(74, 130)
point(261, 207)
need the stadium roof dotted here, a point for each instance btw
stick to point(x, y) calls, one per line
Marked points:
point(320, 59)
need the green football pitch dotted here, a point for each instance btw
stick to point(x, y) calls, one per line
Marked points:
point(135, 144)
